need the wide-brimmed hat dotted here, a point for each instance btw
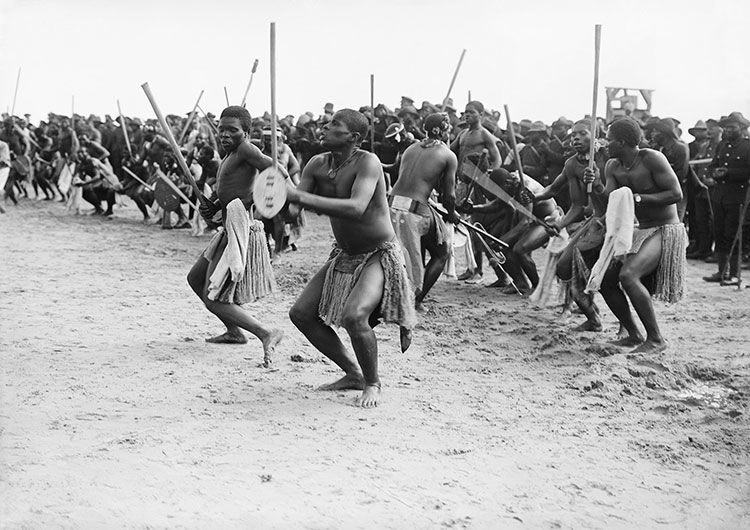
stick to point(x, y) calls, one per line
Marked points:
point(538, 127)
point(666, 126)
point(393, 129)
point(734, 117)
point(700, 125)
point(408, 109)
point(562, 120)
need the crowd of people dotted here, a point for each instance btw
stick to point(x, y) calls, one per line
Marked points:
point(618, 206)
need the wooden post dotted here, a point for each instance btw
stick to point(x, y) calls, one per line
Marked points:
point(172, 142)
point(453, 80)
point(15, 92)
point(592, 151)
point(226, 96)
point(514, 145)
point(191, 117)
point(124, 128)
point(249, 83)
point(274, 145)
point(372, 113)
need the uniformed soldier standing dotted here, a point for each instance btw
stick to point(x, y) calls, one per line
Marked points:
point(731, 170)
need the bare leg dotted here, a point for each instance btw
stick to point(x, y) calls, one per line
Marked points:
point(618, 304)
point(304, 314)
point(634, 268)
point(234, 316)
point(535, 237)
point(434, 268)
point(363, 300)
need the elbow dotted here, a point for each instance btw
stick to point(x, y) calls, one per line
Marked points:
point(677, 195)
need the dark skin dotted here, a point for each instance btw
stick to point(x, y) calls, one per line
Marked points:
point(356, 202)
point(649, 175)
point(234, 180)
point(422, 170)
point(525, 236)
point(572, 177)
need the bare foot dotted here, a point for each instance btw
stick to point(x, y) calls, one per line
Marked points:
point(228, 338)
point(269, 345)
point(370, 396)
point(622, 333)
point(628, 341)
point(651, 347)
point(589, 325)
point(405, 336)
point(348, 382)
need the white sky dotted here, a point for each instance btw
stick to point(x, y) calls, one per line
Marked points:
point(536, 56)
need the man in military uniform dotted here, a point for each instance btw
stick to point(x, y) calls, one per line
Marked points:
point(731, 171)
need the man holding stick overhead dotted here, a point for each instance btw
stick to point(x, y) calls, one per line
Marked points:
point(365, 278)
point(235, 178)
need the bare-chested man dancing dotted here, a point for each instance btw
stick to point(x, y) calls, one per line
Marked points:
point(365, 276)
point(657, 255)
point(425, 166)
point(235, 177)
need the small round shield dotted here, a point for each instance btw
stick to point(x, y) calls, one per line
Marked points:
point(269, 192)
point(165, 196)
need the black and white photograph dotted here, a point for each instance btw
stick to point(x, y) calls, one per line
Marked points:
point(327, 264)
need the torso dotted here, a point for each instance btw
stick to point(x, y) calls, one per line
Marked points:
point(234, 179)
point(421, 170)
point(374, 227)
point(638, 177)
point(574, 168)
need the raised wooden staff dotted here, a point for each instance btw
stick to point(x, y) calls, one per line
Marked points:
point(226, 96)
point(453, 80)
point(250, 82)
point(514, 145)
point(124, 129)
point(269, 188)
point(191, 117)
point(15, 92)
point(136, 177)
point(372, 113)
point(173, 143)
point(594, 128)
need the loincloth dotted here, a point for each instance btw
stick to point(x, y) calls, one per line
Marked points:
point(344, 270)
point(411, 223)
point(585, 244)
point(257, 279)
point(669, 275)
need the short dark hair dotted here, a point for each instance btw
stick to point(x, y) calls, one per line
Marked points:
point(207, 150)
point(626, 130)
point(355, 121)
point(241, 113)
point(477, 105)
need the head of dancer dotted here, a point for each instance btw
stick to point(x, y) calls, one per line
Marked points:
point(347, 128)
point(473, 113)
point(624, 135)
point(437, 126)
point(234, 124)
point(580, 137)
point(510, 182)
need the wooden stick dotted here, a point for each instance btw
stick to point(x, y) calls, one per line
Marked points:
point(514, 145)
point(124, 129)
point(172, 142)
point(453, 80)
point(191, 117)
point(210, 123)
point(372, 113)
point(73, 113)
point(469, 96)
point(274, 146)
point(15, 92)
point(594, 128)
point(174, 187)
point(136, 177)
point(226, 96)
point(250, 82)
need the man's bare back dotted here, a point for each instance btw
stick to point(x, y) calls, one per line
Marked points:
point(422, 169)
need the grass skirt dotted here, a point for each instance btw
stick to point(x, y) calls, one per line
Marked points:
point(344, 270)
point(670, 273)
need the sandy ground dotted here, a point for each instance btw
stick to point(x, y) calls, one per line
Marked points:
point(116, 413)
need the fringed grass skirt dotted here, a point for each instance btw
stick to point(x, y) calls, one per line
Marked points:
point(410, 227)
point(670, 273)
point(344, 270)
point(257, 281)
